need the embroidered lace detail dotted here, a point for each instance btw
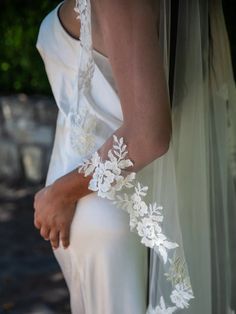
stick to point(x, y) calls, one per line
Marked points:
point(82, 128)
point(82, 123)
point(86, 67)
point(109, 177)
point(162, 309)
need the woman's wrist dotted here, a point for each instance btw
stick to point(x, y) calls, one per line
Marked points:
point(72, 186)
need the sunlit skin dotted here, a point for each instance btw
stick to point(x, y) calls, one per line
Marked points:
point(55, 204)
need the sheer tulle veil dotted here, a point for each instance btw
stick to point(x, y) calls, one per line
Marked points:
point(204, 120)
point(193, 181)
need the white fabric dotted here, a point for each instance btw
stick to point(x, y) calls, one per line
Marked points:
point(193, 181)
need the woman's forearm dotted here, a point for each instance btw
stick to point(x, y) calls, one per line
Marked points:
point(72, 186)
point(140, 150)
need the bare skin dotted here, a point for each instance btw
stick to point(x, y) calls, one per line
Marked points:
point(55, 207)
point(68, 17)
point(55, 204)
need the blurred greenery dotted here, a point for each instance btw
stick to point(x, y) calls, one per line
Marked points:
point(21, 67)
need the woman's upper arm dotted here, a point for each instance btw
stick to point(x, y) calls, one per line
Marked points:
point(130, 35)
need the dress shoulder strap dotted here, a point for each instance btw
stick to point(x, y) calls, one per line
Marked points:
point(86, 63)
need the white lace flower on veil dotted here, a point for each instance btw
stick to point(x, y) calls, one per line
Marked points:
point(162, 309)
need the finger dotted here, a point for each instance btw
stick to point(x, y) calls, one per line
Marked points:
point(35, 201)
point(65, 237)
point(45, 232)
point(37, 223)
point(54, 238)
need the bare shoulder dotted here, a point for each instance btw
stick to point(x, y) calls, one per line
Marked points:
point(105, 13)
point(68, 18)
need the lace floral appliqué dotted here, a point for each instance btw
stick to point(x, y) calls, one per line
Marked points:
point(82, 127)
point(86, 67)
point(109, 178)
point(82, 123)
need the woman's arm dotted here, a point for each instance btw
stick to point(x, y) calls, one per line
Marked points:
point(130, 35)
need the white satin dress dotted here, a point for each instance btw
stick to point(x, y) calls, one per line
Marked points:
point(105, 266)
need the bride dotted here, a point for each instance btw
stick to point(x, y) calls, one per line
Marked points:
point(139, 189)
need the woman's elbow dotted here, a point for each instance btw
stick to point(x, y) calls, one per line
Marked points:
point(153, 147)
point(161, 144)
point(160, 137)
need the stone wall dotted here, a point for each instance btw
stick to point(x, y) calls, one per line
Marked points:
point(27, 126)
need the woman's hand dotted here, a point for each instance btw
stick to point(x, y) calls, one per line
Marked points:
point(55, 206)
point(53, 215)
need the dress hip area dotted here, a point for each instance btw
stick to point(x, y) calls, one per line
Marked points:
point(105, 266)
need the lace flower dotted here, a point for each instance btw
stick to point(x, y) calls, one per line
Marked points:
point(107, 176)
point(163, 309)
point(181, 295)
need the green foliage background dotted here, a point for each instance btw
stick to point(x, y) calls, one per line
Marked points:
point(21, 67)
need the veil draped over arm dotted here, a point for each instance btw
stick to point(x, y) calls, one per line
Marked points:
point(181, 203)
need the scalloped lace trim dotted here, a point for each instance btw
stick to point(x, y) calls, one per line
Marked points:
point(109, 177)
point(82, 130)
point(83, 124)
point(86, 68)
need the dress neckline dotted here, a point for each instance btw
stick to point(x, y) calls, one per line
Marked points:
point(70, 35)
